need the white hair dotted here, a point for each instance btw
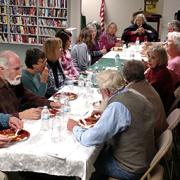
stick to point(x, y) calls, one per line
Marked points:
point(141, 16)
point(175, 36)
point(3, 61)
point(110, 79)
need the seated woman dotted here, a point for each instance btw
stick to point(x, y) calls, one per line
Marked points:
point(95, 51)
point(108, 38)
point(79, 52)
point(139, 29)
point(159, 76)
point(53, 50)
point(66, 60)
point(35, 76)
point(173, 50)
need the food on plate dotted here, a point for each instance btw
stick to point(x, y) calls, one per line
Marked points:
point(71, 96)
point(10, 133)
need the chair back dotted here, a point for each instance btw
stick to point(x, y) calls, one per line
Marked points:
point(163, 144)
point(173, 119)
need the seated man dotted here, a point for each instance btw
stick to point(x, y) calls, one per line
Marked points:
point(13, 95)
point(133, 72)
point(127, 124)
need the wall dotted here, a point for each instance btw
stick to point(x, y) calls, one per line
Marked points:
point(120, 11)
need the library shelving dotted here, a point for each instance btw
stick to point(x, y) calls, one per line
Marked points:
point(31, 21)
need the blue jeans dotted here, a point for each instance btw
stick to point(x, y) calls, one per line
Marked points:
point(106, 166)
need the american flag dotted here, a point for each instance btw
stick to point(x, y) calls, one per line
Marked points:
point(102, 15)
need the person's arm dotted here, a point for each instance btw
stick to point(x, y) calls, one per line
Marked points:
point(4, 120)
point(116, 118)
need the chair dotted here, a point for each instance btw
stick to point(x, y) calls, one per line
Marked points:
point(173, 120)
point(155, 171)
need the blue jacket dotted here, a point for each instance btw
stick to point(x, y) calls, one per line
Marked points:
point(4, 121)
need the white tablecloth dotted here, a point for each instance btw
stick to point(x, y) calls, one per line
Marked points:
point(132, 52)
point(39, 154)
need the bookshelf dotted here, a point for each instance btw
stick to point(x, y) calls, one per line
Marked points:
point(31, 21)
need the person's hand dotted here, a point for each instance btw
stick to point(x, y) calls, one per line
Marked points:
point(15, 123)
point(104, 50)
point(44, 75)
point(33, 113)
point(55, 104)
point(4, 140)
point(71, 123)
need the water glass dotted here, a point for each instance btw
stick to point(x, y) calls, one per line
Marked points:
point(55, 131)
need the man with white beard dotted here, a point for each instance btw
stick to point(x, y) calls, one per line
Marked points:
point(13, 96)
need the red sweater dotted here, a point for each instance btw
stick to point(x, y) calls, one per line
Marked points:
point(160, 78)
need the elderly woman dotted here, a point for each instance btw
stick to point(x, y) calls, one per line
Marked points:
point(53, 50)
point(159, 76)
point(35, 76)
point(174, 25)
point(108, 38)
point(139, 29)
point(173, 50)
point(66, 59)
point(95, 51)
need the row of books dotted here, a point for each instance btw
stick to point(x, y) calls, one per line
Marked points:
point(3, 28)
point(4, 19)
point(3, 9)
point(3, 2)
point(31, 11)
point(23, 20)
point(23, 39)
point(23, 2)
point(53, 3)
point(53, 12)
point(52, 23)
point(3, 37)
point(47, 32)
point(23, 29)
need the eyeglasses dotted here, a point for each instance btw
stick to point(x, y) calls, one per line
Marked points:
point(42, 60)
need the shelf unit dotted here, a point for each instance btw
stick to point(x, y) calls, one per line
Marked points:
point(31, 21)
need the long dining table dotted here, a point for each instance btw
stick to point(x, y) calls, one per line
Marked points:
point(66, 156)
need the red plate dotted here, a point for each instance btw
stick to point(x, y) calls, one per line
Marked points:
point(70, 95)
point(22, 134)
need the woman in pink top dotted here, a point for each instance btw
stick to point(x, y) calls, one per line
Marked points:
point(173, 50)
point(66, 60)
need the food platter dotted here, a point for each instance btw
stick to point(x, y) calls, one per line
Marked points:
point(71, 96)
point(10, 133)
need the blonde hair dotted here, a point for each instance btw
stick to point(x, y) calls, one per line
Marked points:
point(110, 79)
point(111, 23)
point(161, 53)
point(50, 46)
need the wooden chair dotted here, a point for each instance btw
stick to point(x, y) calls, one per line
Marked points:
point(155, 171)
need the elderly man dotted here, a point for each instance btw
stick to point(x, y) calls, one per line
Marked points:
point(13, 96)
point(133, 72)
point(127, 123)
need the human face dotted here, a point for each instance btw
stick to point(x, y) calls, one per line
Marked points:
point(153, 59)
point(13, 72)
point(68, 43)
point(171, 47)
point(112, 29)
point(139, 21)
point(94, 32)
point(39, 67)
point(170, 28)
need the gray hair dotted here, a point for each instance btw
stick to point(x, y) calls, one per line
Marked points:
point(133, 71)
point(175, 24)
point(161, 53)
point(175, 36)
point(3, 61)
point(111, 80)
point(141, 16)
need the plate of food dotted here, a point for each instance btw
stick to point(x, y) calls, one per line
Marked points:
point(53, 112)
point(11, 133)
point(89, 121)
point(71, 96)
point(116, 49)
